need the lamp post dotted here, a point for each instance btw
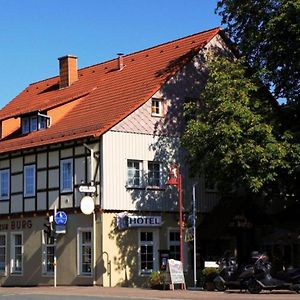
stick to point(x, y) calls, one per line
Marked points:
point(175, 178)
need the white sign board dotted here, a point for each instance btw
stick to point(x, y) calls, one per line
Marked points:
point(176, 272)
point(210, 264)
point(87, 189)
point(144, 221)
point(87, 205)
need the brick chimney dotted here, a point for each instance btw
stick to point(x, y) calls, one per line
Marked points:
point(67, 70)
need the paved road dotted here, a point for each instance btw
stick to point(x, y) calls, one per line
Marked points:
point(100, 293)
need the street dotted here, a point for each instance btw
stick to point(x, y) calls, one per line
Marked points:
point(89, 293)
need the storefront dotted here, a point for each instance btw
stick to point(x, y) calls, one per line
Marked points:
point(27, 252)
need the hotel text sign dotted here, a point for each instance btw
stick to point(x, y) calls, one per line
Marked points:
point(144, 221)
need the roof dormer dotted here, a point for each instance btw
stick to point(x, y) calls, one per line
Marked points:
point(34, 122)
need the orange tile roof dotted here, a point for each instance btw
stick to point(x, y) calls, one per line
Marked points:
point(103, 95)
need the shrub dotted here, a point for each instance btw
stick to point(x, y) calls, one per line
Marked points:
point(156, 278)
point(209, 273)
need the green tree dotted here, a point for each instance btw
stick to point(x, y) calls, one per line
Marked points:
point(230, 135)
point(268, 34)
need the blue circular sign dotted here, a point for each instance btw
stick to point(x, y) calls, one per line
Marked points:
point(61, 218)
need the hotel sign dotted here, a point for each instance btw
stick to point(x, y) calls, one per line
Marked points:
point(144, 221)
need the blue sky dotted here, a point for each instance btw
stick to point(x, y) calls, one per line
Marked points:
point(34, 33)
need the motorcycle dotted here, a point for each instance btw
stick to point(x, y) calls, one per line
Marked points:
point(231, 276)
point(263, 280)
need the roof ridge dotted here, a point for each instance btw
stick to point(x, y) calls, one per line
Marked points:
point(176, 40)
point(135, 52)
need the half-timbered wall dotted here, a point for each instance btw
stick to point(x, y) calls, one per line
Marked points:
point(47, 184)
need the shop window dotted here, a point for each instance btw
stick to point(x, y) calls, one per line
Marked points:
point(174, 244)
point(2, 254)
point(16, 253)
point(147, 251)
point(134, 173)
point(154, 174)
point(48, 253)
point(66, 175)
point(29, 181)
point(4, 184)
point(85, 252)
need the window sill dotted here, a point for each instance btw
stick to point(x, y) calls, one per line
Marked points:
point(4, 199)
point(29, 196)
point(66, 191)
point(16, 274)
point(85, 275)
point(48, 275)
point(156, 115)
point(148, 188)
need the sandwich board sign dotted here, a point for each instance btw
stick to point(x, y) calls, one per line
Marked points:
point(176, 272)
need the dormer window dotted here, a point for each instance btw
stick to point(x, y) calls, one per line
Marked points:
point(25, 125)
point(156, 107)
point(35, 122)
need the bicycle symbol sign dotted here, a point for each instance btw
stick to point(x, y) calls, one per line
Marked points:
point(61, 218)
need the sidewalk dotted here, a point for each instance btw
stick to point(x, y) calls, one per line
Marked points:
point(115, 292)
point(140, 293)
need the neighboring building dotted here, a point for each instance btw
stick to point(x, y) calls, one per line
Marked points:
point(128, 111)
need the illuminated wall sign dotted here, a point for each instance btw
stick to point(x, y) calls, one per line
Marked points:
point(144, 221)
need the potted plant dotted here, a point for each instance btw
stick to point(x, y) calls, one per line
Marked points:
point(157, 280)
point(209, 274)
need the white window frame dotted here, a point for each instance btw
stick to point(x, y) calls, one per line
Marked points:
point(140, 170)
point(2, 172)
point(160, 174)
point(13, 270)
point(26, 178)
point(154, 244)
point(45, 246)
point(4, 272)
point(173, 243)
point(63, 188)
point(155, 107)
point(79, 251)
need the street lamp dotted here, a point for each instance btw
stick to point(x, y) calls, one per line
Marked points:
point(175, 178)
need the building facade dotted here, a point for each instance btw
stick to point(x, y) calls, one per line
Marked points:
point(114, 126)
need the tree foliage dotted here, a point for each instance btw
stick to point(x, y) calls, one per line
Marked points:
point(230, 135)
point(268, 33)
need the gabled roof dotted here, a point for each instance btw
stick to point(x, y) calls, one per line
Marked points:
point(103, 95)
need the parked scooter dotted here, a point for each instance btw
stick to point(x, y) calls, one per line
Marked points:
point(263, 280)
point(231, 276)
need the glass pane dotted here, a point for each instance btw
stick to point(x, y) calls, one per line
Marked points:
point(29, 180)
point(2, 240)
point(18, 259)
point(50, 259)
point(25, 125)
point(67, 175)
point(146, 236)
point(4, 183)
point(33, 124)
point(133, 173)
point(18, 240)
point(86, 237)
